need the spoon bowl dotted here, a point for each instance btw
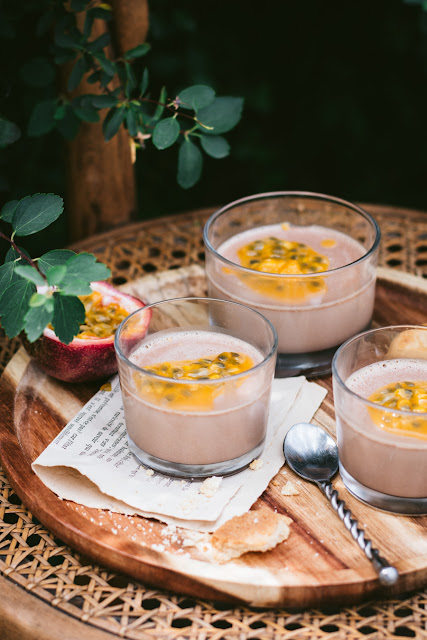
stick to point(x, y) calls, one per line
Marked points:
point(311, 452)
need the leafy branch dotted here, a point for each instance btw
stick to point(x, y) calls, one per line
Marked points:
point(195, 119)
point(35, 293)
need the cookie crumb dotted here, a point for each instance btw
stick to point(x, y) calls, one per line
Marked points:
point(256, 464)
point(149, 472)
point(289, 489)
point(210, 486)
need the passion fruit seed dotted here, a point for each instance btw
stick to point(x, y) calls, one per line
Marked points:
point(404, 396)
point(101, 320)
point(193, 396)
point(284, 257)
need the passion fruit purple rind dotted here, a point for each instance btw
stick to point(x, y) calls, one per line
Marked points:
point(91, 354)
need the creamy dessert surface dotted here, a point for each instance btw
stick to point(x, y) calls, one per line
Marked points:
point(339, 248)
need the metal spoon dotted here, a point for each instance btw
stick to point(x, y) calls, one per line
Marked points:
point(313, 455)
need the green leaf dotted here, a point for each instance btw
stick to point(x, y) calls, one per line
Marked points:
point(131, 123)
point(101, 13)
point(196, 97)
point(104, 101)
point(8, 210)
point(99, 43)
point(76, 288)
point(62, 56)
point(107, 66)
point(165, 133)
point(37, 300)
point(7, 277)
point(86, 113)
point(68, 315)
point(66, 34)
point(215, 146)
point(88, 24)
point(9, 132)
point(130, 79)
point(34, 213)
point(35, 321)
point(30, 273)
point(69, 125)
point(54, 258)
point(38, 72)
point(84, 266)
point(77, 73)
point(42, 118)
point(13, 256)
point(112, 122)
point(55, 275)
point(190, 162)
point(14, 305)
point(222, 115)
point(144, 82)
point(162, 102)
point(68, 40)
point(60, 111)
point(137, 52)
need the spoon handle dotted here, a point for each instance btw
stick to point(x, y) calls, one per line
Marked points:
point(387, 574)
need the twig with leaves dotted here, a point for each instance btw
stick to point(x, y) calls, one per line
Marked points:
point(37, 292)
point(195, 118)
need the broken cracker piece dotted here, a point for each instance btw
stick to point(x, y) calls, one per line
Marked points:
point(252, 531)
point(409, 344)
point(289, 489)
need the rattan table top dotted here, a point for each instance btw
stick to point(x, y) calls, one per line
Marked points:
point(49, 591)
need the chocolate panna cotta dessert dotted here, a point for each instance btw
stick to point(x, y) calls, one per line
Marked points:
point(310, 313)
point(307, 262)
point(188, 398)
point(385, 449)
point(196, 385)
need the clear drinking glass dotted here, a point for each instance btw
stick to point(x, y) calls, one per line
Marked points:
point(383, 449)
point(315, 311)
point(192, 425)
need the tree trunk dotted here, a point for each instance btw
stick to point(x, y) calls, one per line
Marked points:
point(100, 185)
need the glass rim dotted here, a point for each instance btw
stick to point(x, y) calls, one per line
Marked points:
point(374, 405)
point(305, 194)
point(234, 376)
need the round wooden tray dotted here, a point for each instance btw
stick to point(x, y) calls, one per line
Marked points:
point(319, 562)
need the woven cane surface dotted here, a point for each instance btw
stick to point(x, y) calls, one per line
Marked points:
point(32, 558)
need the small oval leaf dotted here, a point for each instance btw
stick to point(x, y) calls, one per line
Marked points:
point(196, 97)
point(34, 213)
point(190, 162)
point(30, 273)
point(165, 133)
point(215, 146)
point(221, 115)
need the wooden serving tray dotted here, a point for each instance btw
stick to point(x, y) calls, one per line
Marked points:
point(318, 564)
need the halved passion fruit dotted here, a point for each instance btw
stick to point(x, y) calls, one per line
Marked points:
point(91, 355)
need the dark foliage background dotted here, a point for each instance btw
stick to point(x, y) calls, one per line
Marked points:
point(335, 101)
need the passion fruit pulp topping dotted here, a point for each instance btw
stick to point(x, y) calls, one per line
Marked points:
point(192, 396)
point(101, 319)
point(276, 256)
point(404, 396)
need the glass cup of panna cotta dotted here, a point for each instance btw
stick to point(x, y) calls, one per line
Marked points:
point(196, 376)
point(380, 395)
point(306, 261)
